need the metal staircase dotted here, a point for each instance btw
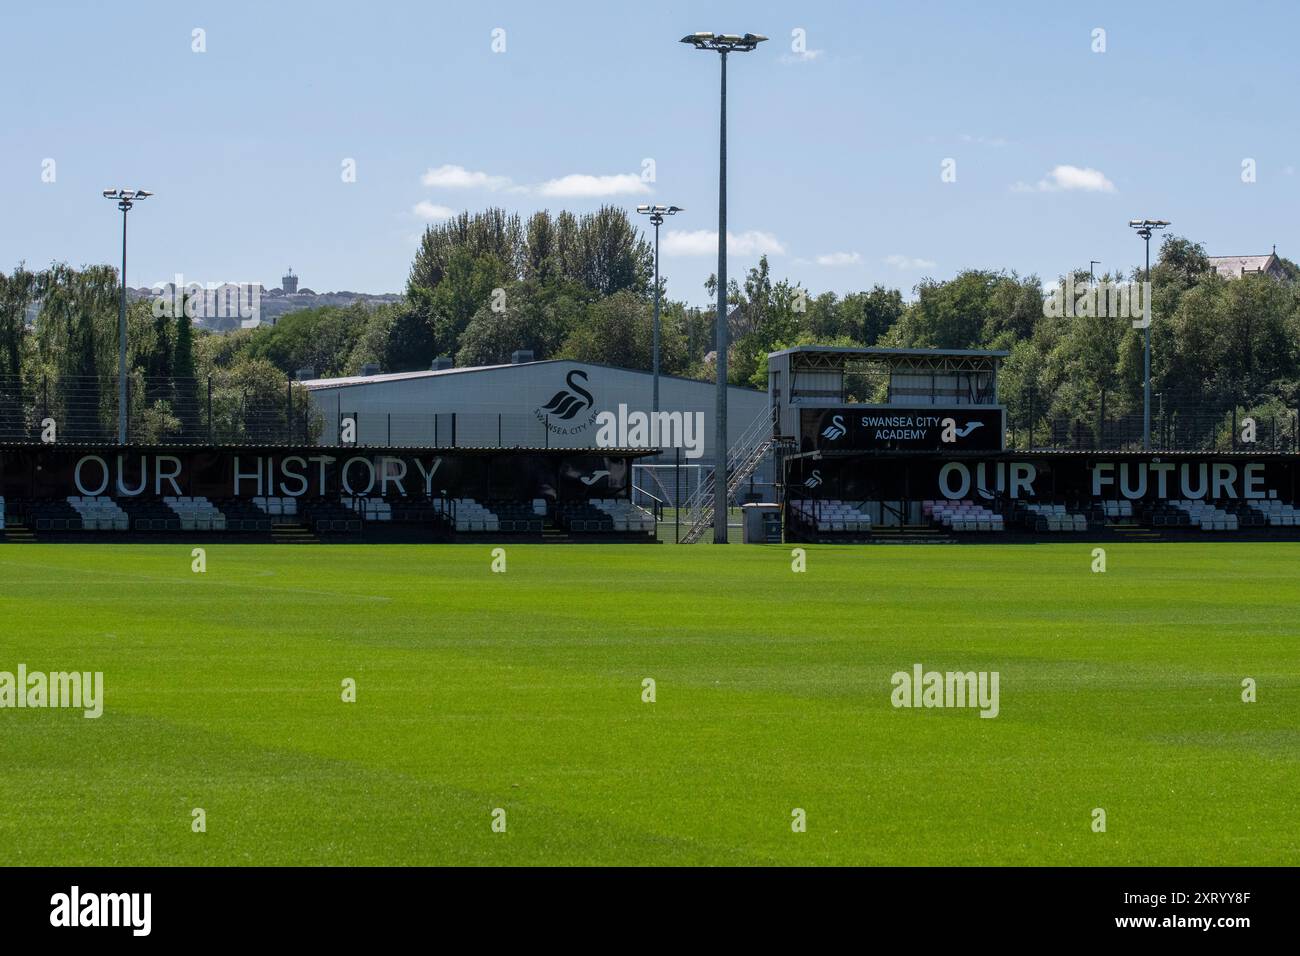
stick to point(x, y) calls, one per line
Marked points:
point(743, 459)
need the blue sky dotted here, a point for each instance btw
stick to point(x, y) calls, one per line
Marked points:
point(836, 153)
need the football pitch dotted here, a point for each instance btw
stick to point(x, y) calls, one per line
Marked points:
point(520, 698)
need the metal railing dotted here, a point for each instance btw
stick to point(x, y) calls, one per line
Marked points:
point(743, 458)
point(229, 408)
point(216, 410)
point(1178, 423)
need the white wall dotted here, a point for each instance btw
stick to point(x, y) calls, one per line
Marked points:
point(509, 401)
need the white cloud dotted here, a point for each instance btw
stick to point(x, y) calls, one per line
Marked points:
point(807, 56)
point(572, 186)
point(581, 185)
point(1069, 178)
point(427, 210)
point(458, 177)
point(704, 242)
point(907, 263)
point(839, 259)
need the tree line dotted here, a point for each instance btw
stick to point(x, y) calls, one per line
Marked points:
point(580, 287)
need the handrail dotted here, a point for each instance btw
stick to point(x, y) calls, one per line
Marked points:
point(741, 460)
point(657, 509)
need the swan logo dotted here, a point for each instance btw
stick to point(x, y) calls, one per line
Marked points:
point(566, 403)
point(569, 410)
point(835, 430)
point(814, 479)
point(951, 433)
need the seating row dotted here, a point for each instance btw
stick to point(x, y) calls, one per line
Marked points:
point(1206, 516)
point(625, 515)
point(100, 514)
point(963, 515)
point(1277, 514)
point(1054, 517)
point(833, 516)
point(277, 507)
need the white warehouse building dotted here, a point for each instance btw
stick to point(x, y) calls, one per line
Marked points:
point(543, 404)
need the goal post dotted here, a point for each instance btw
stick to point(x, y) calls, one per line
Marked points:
point(673, 485)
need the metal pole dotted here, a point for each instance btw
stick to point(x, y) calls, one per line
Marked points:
point(656, 335)
point(677, 499)
point(1146, 358)
point(121, 344)
point(720, 434)
point(1101, 423)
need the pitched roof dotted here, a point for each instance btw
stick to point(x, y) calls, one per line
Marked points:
point(1233, 267)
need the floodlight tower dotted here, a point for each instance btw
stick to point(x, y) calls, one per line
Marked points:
point(656, 214)
point(722, 44)
point(125, 198)
point(1144, 228)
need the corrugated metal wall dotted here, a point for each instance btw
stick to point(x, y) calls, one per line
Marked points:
point(508, 406)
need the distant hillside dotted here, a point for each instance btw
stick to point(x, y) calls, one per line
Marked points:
point(274, 303)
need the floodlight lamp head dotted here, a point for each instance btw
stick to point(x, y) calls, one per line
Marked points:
point(724, 42)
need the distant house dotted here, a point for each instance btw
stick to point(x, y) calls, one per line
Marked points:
point(1234, 267)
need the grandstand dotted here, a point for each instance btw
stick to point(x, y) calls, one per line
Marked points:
point(296, 494)
point(865, 446)
point(911, 445)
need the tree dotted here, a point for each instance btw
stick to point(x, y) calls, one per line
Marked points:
point(1181, 263)
point(542, 261)
point(319, 339)
point(619, 330)
point(409, 345)
point(608, 255)
point(468, 283)
point(183, 373)
point(947, 315)
point(371, 343)
point(76, 334)
point(530, 316)
point(17, 292)
point(493, 232)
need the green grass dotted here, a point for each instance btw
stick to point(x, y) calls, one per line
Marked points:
point(523, 691)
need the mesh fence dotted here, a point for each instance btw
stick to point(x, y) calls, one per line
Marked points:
point(224, 410)
point(1178, 423)
point(219, 411)
point(161, 411)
